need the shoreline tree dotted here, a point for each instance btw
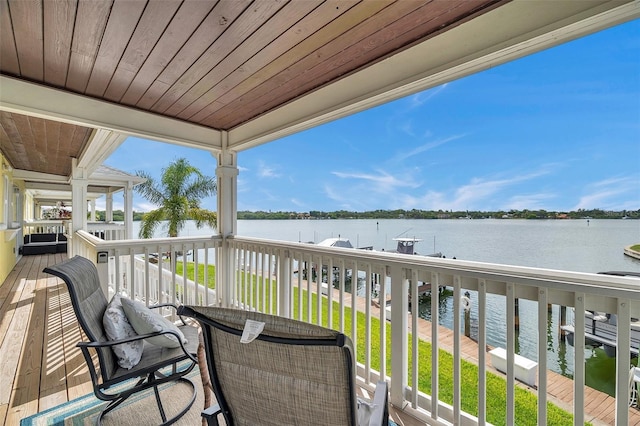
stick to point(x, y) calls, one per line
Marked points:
point(178, 194)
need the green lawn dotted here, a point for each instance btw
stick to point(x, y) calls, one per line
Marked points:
point(526, 402)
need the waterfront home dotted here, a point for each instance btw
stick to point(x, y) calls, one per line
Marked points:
point(78, 77)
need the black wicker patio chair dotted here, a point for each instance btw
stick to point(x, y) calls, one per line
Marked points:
point(157, 365)
point(293, 373)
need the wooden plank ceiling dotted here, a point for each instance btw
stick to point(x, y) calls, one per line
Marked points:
point(217, 64)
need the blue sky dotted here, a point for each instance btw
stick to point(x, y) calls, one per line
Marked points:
point(558, 130)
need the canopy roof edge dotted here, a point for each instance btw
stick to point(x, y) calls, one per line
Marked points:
point(521, 28)
point(22, 97)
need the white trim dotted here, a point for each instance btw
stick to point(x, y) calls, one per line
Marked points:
point(101, 145)
point(517, 29)
point(27, 175)
point(39, 101)
point(7, 189)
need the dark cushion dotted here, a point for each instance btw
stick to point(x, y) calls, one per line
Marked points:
point(43, 243)
point(43, 238)
point(39, 248)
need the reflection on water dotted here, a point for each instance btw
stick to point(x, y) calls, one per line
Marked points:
point(424, 308)
point(560, 348)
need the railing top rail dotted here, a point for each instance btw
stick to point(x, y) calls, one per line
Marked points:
point(580, 281)
point(100, 244)
point(105, 224)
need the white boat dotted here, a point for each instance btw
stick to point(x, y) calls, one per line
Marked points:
point(336, 242)
point(406, 245)
point(602, 327)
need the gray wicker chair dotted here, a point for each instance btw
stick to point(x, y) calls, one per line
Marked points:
point(158, 365)
point(293, 373)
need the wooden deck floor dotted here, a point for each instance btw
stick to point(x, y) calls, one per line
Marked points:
point(40, 367)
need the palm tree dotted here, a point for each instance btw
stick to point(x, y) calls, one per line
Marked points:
point(178, 196)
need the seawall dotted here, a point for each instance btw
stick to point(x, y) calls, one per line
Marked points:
point(631, 253)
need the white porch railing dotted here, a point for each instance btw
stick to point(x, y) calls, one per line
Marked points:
point(276, 277)
point(107, 230)
point(153, 270)
point(56, 226)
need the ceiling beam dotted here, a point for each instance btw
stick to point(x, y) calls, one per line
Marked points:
point(506, 33)
point(48, 186)
point(27, 175)
point(100, 146)
point(52, 104)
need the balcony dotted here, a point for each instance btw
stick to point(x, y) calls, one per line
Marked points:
point(286, 279)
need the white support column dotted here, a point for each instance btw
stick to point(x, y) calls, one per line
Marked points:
point(93, 210)
point(227, 174)
point(399, 335)
point(108, 214)
point(128, 211)
point(79, 184)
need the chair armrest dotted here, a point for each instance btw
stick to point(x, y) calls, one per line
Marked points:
point(211, 414)
point(380, 413)
point(109, 343)
point(168, 305)
point(164, 305)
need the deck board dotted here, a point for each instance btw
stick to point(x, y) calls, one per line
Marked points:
point(53, 388)
point(27, 385)
point(16, 351)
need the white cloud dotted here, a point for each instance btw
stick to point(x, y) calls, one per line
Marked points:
point(529, 202)
point(334, 195)
point(611, 194)
point(426, 147)
point(267, 195)
point(244, 185)
point(382, 181)
point(343, 197)
point(265, 171)
point(138, 207)
point(398, 123)
point(406, 127)
point(481, 189)
point(421, 98)
point(297, 203)
point(477, 194)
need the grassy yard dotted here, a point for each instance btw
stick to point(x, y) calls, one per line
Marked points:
point(526, 402)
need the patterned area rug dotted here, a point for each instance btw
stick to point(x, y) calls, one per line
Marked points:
point(138, 410)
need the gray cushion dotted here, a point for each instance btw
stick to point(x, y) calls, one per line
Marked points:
point(117, 327)
point(145, 320)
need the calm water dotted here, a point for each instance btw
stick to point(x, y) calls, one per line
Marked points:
point(593, 245)
point(572, 245)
